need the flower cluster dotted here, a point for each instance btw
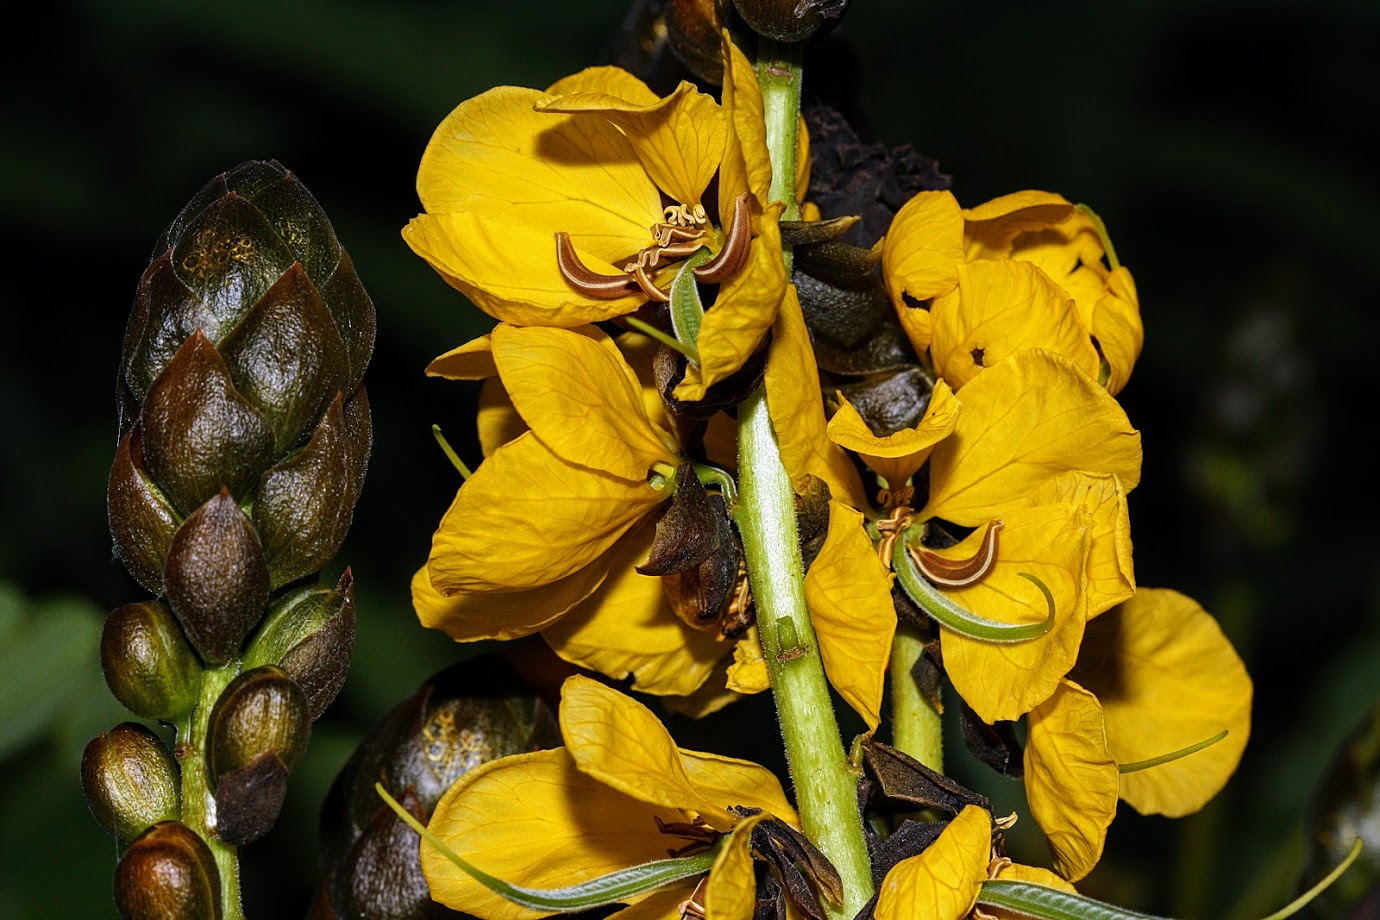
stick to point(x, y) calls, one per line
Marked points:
point(965, 486)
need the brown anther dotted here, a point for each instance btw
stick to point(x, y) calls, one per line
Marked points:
point(653, 292)
point(734, 254)
point(891, 530)
point(586, 281)
point(692, 908)
point(894, 498)
point(995, 866)
point(740, 614)
point(1006, 823)
point(958, 573)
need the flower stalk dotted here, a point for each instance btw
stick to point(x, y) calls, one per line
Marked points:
point(916, 726)
point(824, 784)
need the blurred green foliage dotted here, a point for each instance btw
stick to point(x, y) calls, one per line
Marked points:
point(1219, 139)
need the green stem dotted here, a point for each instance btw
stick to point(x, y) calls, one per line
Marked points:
point(198, 804)
point(915, 725)
point(826, 788)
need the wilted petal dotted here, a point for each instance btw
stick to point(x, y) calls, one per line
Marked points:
point(848, 591)
point(1167, 678)
point(1001, 681)
point(747, 162)
point(1025, 421)
point(897, 456)
point(998, 309)
point(1070, 778)
point(1111, 570)
point(992, 227)
point(941, 883)
point(923, 250)
point(732, 890)
point(471, 616)
point(1117, 326)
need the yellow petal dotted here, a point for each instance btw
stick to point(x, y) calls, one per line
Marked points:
point(1111, 571)
point(612, 81)
point(712, 695)
point(471, 616)
point(626, 629)
point(498, 422)
point(1034, 875)
point(991, 228)
point(738, 782)
point(998, 309)
point(472, 361)
point(748, 673)
point(495, 155)
point(509, 270)
point(747, 162)
point(1070, 778)
point(1167, 678)
point(535, 820)
point(797, 408)
point(848, 591)
point(528, 518)
point(1004, 680)
point(617, 740)
point(660, 904)
point(941, 883)
point(579, 398)
point(679, 139)
point(732, 890)
point(897, 456)
point(1117, 327)
point(1025, 421)
point(923, 249)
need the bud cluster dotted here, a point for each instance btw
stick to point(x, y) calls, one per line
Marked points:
point(244, 438)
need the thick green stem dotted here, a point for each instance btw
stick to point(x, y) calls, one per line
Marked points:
point(915, 725)
point(198, 803)
point(825, 786)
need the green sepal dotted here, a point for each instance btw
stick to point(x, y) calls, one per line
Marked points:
point(614, 888)
point(961, 620)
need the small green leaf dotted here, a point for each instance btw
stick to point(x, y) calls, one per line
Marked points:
point(960, 619)
point(613, 888)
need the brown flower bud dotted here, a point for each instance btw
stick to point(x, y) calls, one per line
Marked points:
point(129, 780)
point(215, 578)
point(142, 523)
point(789, 20)
point(168, 873)
point(695, 30)
point(249, 799)
point(147, 662)
point(262, 711)
point(309, 633)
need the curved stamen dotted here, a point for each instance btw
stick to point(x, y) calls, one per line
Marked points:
point(958, 573)
point(586, 281)
point(651, 290)
point(735, 251)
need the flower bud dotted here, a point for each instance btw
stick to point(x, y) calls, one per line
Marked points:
point(216, 579)
point(249, 799)
point(147, 662)
point(262, 711)
point(168, 873)
point(695, 30)
point(789, 20)
point(129, 780)
point(142, 523)
point(309, 633)
point(381, 874)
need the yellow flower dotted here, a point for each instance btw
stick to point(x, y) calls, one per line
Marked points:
point(1022, 271)
point(1155, 675)
point(620, 793)
point(544, 537)
point(547, 208)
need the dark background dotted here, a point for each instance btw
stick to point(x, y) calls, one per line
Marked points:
point(1221, 141)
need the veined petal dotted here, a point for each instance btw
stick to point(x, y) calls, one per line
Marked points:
point(626, 629)
point(991, 228)
point(897, 456)
point(679, 139)
point(1025, 421)
point(618, 741)
point(471, 616)
point(848, 591)
point(528, 518)
point(659, 904)
point(1070, 778)
point(1168, 678)
point(498, 422)
point(797, 408)
point(737, 322)
point(747, 163)
point(472, 361)
point(748, 673)
point(510, 270)
point(1003, 681)
point(998, 309)
point(732, 890)
point(612, 81)
point(738, 782)
point(1111, 571)
point(923, 249)
point(580, 398)
point(496, 157)
point(1116, 325)
point(943, 881)
point(535, 820)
